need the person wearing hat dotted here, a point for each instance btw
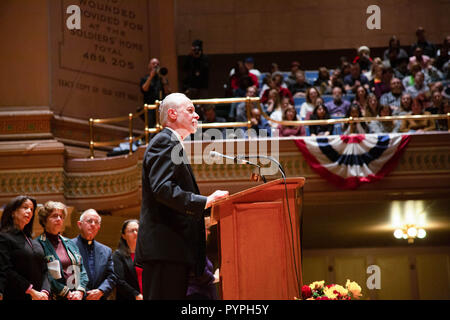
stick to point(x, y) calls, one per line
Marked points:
point(250, 64)
point(363, 58)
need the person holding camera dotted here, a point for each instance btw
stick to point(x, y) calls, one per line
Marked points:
point(196, 72)
point(154, 86)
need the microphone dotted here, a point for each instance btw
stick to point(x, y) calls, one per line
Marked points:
point(218, 154)
point(280, 167)
point(239, 160)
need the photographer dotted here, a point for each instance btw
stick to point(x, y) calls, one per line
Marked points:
point(154, 86)
point(196, 72)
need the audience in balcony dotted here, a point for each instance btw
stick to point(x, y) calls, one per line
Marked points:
point(355, 127)
point(384, 126)
point(209, 116)
point(394, 52)
point(242, 79)
point(442, 124)
point(428, 48)
point(355, 79)
point(276, 82)
point(241, 107)
point(363, 58)
point(405, 105)
point(260, 126)
point(308, 106)
point(419, 58)
point(323, 82)
point(372, 106)
point(290, 114)
point(419, 85)
point(401, 70)
point(300, 86)
point(418, 125)
point(394, 96)
point(338, 107)
point(321, 113)
point(442, 54)
point(292, 76)
point(361, 98)
point(437, 103)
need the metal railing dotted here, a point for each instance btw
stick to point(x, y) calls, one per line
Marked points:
point(248, 100)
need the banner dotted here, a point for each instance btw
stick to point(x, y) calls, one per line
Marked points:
point(349, 161)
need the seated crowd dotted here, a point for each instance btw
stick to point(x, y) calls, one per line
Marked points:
point(395, 84)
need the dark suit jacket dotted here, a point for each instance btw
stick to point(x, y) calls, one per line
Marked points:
point(105, 279)
point(172, 224)
point(127, 282)
point(20, 266)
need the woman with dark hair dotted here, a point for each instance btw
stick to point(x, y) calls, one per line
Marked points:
point(129, 277)
point(321, 113)
point(355, 127)
point(23, 269)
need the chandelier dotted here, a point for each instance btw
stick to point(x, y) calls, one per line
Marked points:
point(409, 220)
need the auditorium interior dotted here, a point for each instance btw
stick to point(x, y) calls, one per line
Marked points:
point(60, 86)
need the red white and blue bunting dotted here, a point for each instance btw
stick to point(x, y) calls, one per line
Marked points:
point(349, 161)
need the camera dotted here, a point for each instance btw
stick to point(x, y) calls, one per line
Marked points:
point(162, 71)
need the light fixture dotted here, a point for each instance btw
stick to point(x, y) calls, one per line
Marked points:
point(412, 224)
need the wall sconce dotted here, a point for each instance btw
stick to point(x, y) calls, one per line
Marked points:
point(408, 220)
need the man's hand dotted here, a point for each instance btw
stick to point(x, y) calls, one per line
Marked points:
point(217, 195)
point(95, 294)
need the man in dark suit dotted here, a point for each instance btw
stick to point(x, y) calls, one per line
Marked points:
point(97, 258)
point(171, 238)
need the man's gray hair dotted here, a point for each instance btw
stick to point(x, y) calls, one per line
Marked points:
point(172, 101)
point(90, 211)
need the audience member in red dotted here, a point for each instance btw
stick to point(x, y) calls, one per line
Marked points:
point(129, 276)
point(383, 86)
point(276, 83)
point(363, 58)
point(242, 79)
point(286, 131)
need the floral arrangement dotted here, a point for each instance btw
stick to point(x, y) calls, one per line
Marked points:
point(319, 291)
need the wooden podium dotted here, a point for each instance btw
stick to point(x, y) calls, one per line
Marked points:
point(259, 242)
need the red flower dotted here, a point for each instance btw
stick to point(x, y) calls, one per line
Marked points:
point(322, 298)
point(306, 292)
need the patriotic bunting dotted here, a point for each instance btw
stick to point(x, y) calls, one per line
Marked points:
point(349, 161)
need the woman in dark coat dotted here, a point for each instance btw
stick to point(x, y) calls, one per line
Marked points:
point(129, 277)
point(23, 269)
